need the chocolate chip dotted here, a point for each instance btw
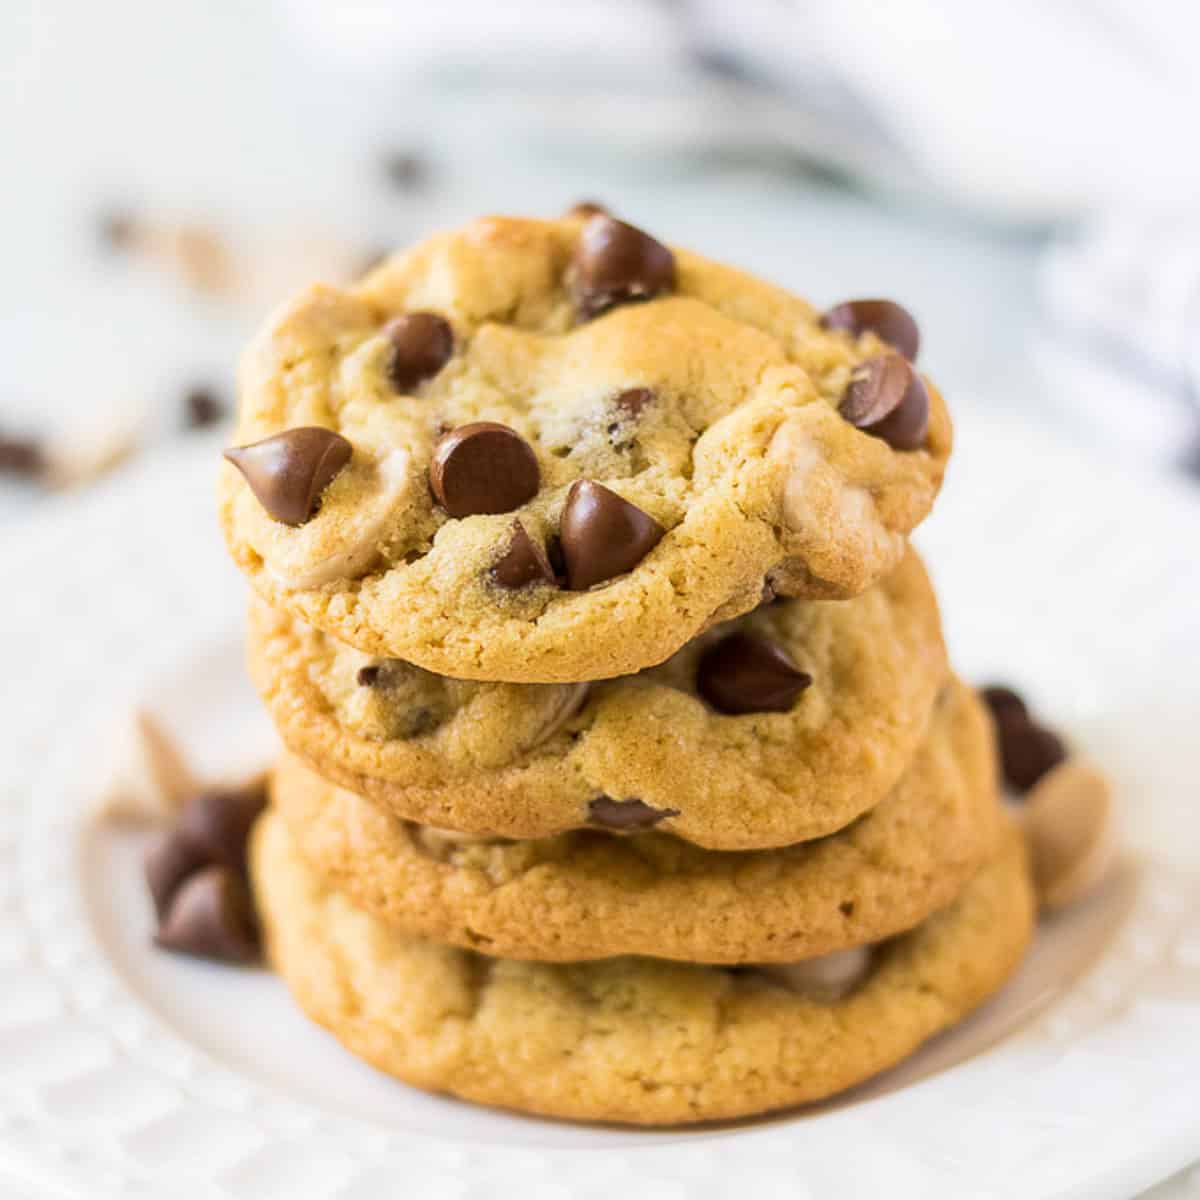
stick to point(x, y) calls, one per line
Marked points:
point(406, 170)
point(202, 407)
point(743, 673)
point(117, 229)
point(887, 399)
point(586, 208)
point(288, 472)
point(556, 557)
point(212, 916)
point(603, 535)
point(524, 562)
point(1027, 751)
point(1004, 702)
point(368, 676)
point(24, 456)
point(483, 468)
point(629, 815)
point(422, 343)
point(218, 823)
point(632, 401)
point(170, 859)
point(615, 263)
point(886, 319)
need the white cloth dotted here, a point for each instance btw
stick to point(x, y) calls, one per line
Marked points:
point(1072, 112)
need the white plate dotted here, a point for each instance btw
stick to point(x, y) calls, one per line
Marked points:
point(128, 1073)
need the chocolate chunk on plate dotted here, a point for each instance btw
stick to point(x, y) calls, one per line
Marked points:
point(212, 916)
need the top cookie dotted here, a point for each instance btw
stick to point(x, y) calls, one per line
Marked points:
point(488, 460)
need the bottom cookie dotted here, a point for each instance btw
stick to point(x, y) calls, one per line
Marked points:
point(633, 1040)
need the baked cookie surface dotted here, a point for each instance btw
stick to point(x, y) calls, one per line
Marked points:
point(530, 760)
point(588, 895)
point(551, 451)
point(627, 1039)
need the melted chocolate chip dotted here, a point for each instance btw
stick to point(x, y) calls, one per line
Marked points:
point(887, 320)
point(211, 915)
point(523, 562)
point(421, 345)
point(743, 673)
point(483, 468)
point(615, 263)
point(887, 399)
point(288, 472)
point(218, 823)
point(170, 859)
point(603, 535)
point(626, 815)
point(368, 676)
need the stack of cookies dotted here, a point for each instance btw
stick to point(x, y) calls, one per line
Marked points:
point(626, 777)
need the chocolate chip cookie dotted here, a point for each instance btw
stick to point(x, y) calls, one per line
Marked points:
point(635, 1040)
point(588, 895)
point(782, 725)
point(552, 451)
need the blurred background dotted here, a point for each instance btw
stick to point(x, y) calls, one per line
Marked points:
point(1021, 175)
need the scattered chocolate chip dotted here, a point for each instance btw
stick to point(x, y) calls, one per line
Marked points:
point(170, 859)
point(406, 170)
point(422, 343)
point(368, 676)
point(202, 407)
point(886, 319)
point(483, 468)
point(629, 815)
point(288, 472)
point(887, 399)
point(586, 208)
point(1027, 752)
point(218, 823)
point(212, 916)
point(25, 456)
point(615, 263)
point(524, 562)
point(1027, 749)
point(603, 535)
point(1004, 702)
point(116, 229)
point(743, 673)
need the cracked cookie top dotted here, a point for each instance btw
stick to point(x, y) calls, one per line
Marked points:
point(554, 451)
